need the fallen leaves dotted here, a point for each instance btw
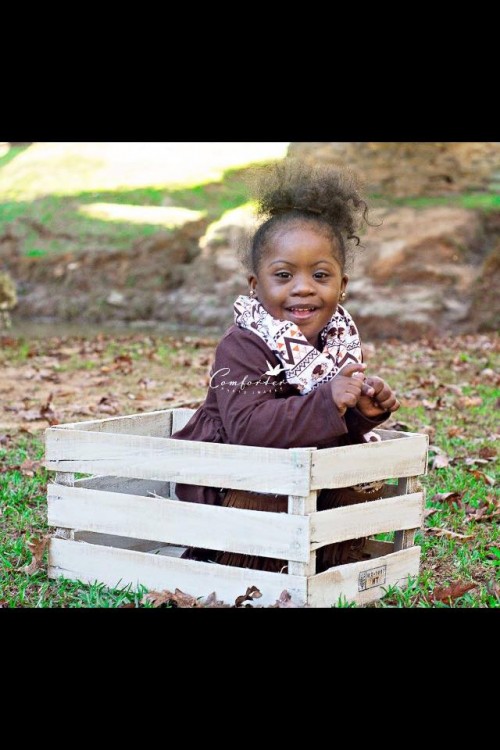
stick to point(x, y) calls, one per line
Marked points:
point(486, 478)
point(454, 591)
point(439, 461)
point(181, 600)
point(448, 532)
point(449, 497)
point(466, 402)
point(251, 593)
point(37, 548)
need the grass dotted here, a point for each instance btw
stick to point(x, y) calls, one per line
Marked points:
point(482, 201)
point(447, 389)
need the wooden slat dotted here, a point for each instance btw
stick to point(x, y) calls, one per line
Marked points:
point(118, 568)
point(68, 480)
point(362, 582)
point(249, 532)
point(153, 423)
point(365, 519)
point(273, 470)
point(394, 434)
point(303, 506)
point(351, 464)
point(180, 418)
point(404, 538)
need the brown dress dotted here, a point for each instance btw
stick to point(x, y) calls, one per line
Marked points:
point(246, 406)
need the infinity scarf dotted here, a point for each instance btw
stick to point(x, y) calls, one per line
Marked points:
point(304, 366)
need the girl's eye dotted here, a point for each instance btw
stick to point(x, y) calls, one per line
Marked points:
point(283, 275)
point(320, 275)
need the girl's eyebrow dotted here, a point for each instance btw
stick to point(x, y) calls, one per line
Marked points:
point(289, 263)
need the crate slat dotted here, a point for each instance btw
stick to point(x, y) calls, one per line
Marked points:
point(243, 467)
point(362, 582)
point(153, 423)
point(350, 464)
point(303, 506)
point(250, 532)
point(180, 418)
point(118, 568)
point(365, 519)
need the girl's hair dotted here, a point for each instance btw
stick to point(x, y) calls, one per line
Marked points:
point(295, 191)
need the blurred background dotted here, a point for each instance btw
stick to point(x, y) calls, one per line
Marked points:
point(145, 235)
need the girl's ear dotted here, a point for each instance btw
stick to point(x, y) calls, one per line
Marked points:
point(252, 282)
point(343, 283)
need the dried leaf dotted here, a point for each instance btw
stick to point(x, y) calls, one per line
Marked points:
point(450, 497)
point(252, 593)
point(488, 452)
point(429, 405)
point(455, 432)
point(429, 430)
point(453, 388)
point(453, 591)
point(285, 601)
point(29, 467)
point(482, 514)
point(410, 403)
point(157, 598)
point(37, 548)
point(470, 461)
point(430, 512)
point(440, 461)
point(486, 478)
point(212, 602)
point(448, 532)
point(178, 597)
point(466, 402)
point(493, 588)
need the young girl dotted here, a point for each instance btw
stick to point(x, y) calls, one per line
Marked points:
point(289, 372)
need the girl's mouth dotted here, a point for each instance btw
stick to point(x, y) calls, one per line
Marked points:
point(301, 313)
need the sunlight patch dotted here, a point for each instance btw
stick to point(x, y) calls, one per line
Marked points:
point(165, 216)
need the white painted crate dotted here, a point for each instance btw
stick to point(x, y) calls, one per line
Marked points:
point(124, 524)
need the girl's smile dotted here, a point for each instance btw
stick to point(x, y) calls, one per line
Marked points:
point(301, 279)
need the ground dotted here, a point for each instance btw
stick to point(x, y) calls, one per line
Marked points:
point(448, 389)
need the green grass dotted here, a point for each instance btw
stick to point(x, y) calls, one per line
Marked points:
point(482, 201)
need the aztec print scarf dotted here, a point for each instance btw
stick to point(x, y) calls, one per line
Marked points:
point(304, 366)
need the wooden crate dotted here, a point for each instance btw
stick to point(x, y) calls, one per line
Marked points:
point(122, 524)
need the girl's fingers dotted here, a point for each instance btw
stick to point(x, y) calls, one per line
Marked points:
point(367, 390)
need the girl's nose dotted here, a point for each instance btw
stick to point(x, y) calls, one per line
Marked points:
point(303, 285)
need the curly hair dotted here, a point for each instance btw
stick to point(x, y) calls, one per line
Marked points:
point(295, 191)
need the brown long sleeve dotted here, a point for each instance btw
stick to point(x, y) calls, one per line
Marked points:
point(264, 410)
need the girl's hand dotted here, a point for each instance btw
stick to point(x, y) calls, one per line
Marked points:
point(376, 398)
point(347, 386)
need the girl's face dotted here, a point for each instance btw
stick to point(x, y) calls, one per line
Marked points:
point(300, 279)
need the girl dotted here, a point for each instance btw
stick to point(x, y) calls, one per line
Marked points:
point(289, 372)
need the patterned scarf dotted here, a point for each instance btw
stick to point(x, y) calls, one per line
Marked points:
point(304, 366)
